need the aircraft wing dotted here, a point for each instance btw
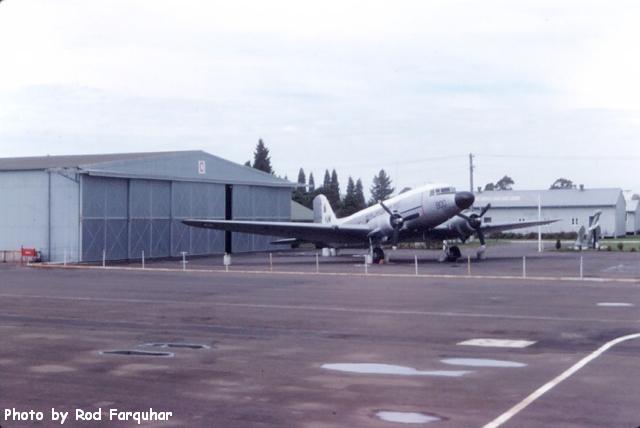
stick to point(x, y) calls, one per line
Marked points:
point(312, 232)
point(518, 225)
point(444, 232)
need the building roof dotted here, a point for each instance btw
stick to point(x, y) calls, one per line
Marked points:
point(177, 165)
point(300, 213)
point(549, 198)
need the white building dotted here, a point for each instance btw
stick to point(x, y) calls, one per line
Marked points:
point(572, 207)
point(633, 213)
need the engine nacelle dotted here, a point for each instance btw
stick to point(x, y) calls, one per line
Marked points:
point(462, 227)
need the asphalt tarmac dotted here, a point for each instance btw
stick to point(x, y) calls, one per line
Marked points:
point(272, 343)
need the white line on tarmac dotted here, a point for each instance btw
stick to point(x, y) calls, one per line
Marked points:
point(316, 308)
point(554, 382)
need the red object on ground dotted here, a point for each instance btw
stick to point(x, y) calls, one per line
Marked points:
point(28, 252)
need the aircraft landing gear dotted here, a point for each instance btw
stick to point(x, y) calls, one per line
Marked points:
point(377, 256)
point(450, 253)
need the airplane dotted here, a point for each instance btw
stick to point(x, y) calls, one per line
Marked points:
point(427, 213)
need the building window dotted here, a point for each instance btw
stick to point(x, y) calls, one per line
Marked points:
point(487, 219)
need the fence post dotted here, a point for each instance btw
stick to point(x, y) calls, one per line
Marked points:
point(270, 262)
point(469, 265)
point(142, 259)
point(524, 266)
point(415, 257)
point(104, 258)
point(581, 268)
point(64, 262)
point(184, 260)
point(317, 263)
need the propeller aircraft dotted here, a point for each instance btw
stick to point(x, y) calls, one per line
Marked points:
point(427, 213)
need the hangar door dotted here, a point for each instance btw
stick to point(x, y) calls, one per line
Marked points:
point(104, 218)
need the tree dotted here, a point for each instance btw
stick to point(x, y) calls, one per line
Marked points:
point(360, 203)
point(349, 201)
point(562, 183)
point(312, 182)
point(248, 163)
point(300, 195)
point(326, 182)
point(302, 179)
point(381, 188)
point(333, 193)
point(490, 186)
point(504, 183)
point(261, 158)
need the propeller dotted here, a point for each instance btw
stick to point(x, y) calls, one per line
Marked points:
point(396, 221)
point(475, 221)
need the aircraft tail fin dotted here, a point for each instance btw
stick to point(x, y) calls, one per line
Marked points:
point(322, 211)
point(594, 220)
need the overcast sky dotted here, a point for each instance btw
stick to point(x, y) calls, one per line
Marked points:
point(535, 89)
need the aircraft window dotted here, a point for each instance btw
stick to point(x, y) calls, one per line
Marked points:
point(445, 190)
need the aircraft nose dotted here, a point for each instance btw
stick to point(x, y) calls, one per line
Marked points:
point(464, 200)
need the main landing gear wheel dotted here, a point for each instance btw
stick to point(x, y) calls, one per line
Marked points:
point(378, 255)
point(453, 254)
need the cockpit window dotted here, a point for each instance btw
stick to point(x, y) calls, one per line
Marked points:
point(445, 190)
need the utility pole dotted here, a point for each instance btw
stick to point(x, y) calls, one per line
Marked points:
point(471, 172)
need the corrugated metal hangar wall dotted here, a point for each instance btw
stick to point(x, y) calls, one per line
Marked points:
point(127, 216)
point(76, 207)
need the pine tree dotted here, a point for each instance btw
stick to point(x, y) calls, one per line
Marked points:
point(302, 179)
point(381, 188)
point(326, 183)
point(360, 202)
point(261, 158)
point(248, 163)
point(349, 201)
point(312, 182)
point(334, 192)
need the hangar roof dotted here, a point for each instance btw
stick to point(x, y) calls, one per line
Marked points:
point(549, 198)
point(178, 165)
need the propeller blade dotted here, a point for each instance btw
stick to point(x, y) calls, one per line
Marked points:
point(395, 237)
point(385, 207)
point(480, 236)
point(484, 210)
point(464, 217)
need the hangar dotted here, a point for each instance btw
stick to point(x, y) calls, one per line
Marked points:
point(78, 208)
point(573, 207)
point(633, 213)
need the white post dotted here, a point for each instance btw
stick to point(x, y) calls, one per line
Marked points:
point(539, 227)
point(104, 258)
point(184, 260)
point(317, 263)
point(226, 260)
point(366, 266)
point(270, 262)
point(64, 263)
point(581, 268)
point(469, 265)
point(416, 260)
point(142, 259)
point(524, 266)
